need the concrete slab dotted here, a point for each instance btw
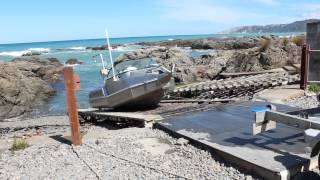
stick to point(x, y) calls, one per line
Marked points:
point(226, 131)
point(280, 94)
point(146, 119)
point(289, 68)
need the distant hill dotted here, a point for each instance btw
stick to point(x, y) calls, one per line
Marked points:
point(298, 26)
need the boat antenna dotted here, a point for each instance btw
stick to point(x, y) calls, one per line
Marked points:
point(102, 61)
point(110, 55)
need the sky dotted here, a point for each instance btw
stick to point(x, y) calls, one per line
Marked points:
point(44, 20)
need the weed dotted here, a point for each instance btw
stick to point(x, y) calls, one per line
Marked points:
point(314, 87)
point(298, 40)
point(265, 45)
point(19, 145)
point(285, 42)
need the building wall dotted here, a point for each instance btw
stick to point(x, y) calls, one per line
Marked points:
point(313, 39)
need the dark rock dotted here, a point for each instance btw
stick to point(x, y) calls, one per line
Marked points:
point(103, 47)
point(166, 57)
point(211, 65)
point(245, 54)
point(73, 61)
point(25, 82)
point(209, 43)
point(276, 55)
point(32, 54)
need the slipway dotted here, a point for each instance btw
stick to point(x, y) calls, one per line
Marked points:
point(226, 131)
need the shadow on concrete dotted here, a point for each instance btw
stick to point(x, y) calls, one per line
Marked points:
point(231, 126)
point(62, 139)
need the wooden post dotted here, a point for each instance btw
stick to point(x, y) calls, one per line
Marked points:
point(304, 67)
point(69, 83)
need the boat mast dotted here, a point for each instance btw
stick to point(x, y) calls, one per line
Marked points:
point(110, 55)
point(102, 61)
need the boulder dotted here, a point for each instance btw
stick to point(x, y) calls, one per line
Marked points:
point(32, 53)
point(210, 43)
point(102, 47)
point(275, 55)
point(73, 61)
point(242, 54)
point(166, 57)
point(25, 82)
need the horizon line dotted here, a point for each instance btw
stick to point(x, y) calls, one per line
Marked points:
point(118, 37)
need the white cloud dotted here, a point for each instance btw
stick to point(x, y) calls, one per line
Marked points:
point(199, 10)
point(311, 11)
point(268, 2)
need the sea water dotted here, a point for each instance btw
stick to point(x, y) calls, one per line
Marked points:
point(89, 71)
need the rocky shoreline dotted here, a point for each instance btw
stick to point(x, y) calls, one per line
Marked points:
point(25, 82)
point(225, 55)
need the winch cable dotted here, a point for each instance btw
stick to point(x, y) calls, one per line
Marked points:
point(91, 169)
point(136, 163)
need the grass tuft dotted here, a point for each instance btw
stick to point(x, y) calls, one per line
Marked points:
point(265, 45)
point(298, 40)
point(314, 87)
point(285, 42)
point(19, 145)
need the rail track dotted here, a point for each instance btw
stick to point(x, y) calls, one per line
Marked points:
point(232, 87)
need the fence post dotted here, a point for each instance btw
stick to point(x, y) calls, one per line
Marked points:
point(304, 67)
point(69, 83)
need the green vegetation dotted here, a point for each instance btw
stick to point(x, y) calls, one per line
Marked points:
point(265, 45)
point(298, 40)
point(19, 145)
point(285, 42)
point(314, 87)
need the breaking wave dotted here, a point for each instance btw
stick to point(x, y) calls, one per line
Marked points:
point(23, 52)
point(127, 48)
point(77, 48)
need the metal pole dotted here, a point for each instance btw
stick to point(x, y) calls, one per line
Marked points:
point(102, 61)
point(303, 75)
point(110, 55)
point(307, 64)
point(69, 84)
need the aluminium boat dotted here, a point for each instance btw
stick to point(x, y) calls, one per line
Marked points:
point(131, 84)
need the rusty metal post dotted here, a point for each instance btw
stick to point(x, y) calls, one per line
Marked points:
point(304, 67)
point(70, 84)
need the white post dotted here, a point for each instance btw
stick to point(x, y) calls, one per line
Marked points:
point(102, 61)
point(110, 54)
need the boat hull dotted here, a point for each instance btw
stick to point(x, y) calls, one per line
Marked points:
point(141, 95)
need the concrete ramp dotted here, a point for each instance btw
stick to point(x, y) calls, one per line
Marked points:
point(226, 131)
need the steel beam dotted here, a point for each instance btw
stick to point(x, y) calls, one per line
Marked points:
point(292, 120)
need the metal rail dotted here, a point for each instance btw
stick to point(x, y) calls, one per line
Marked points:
point(314, 50)
point(266, 120)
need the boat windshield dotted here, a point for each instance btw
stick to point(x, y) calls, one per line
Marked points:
point(132, 65)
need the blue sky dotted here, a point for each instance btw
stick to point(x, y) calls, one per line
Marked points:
point(41, 20)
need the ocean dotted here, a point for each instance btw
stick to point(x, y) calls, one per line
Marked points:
point(89, 71)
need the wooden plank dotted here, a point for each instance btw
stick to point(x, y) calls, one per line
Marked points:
point(289, 68)
point(250, 73)
point(72, 105)
point(197, 101)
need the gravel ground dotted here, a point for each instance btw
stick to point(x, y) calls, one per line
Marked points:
point(47, 125)
point(111, 153)
point(303, 102)
point(131, 153)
